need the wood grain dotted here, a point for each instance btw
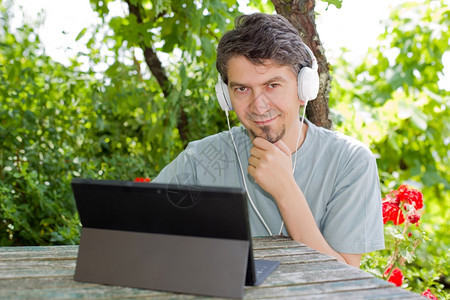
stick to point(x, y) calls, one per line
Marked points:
point(47, 273)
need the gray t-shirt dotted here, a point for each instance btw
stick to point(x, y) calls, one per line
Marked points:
point(337, 174)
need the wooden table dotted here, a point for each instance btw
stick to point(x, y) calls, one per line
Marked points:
point(47, 272)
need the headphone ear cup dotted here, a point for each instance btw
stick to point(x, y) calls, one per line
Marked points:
point(223, 96)
point(307, 84)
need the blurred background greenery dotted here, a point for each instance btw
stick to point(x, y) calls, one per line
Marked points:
point(60, 121)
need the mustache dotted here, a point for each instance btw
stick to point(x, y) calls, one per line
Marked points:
point(264, 117)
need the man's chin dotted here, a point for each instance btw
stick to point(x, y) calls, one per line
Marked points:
point(268, 134)
point(272, 139)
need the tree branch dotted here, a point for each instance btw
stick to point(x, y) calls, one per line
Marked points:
point(150, 56)
point(158, 71)
point(300, 14)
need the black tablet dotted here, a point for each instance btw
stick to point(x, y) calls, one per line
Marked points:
point(169, 210)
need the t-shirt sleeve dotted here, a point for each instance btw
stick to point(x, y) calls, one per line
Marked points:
point(180, 171)
point(353, 221)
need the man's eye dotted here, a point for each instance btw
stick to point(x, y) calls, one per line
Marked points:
point(241, 89)
point(273, 85)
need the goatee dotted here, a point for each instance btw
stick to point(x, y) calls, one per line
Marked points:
point(269, 135)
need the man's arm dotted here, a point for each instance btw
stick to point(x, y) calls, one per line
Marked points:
point(301, 225)
point(352, 259)
point(271, 167)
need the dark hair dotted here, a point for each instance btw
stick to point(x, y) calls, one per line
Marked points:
point(259, 37)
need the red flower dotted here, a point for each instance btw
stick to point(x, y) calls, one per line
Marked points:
point(429, 295)
point(142, 179)
point(396, 276)
point(413, 216)
point(410, 195)
point(392, 197)
point(391, 212)
point(405, 202)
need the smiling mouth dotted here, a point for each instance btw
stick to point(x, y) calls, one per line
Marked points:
point(264, 122)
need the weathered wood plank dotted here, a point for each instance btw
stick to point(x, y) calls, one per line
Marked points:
point(258, 243)
point(301, 258)
point(30, 283)
point(67, 288)
point(97, 292)
point(313, 273)
point(47, 272)
point(319, 266)
point(38, 253)
point(273, 252)
point(297, 290)
point(38, 249)
point(45, 268)
point(381, 293)
point(33, 265)
point(362, 289)
point(274, 242)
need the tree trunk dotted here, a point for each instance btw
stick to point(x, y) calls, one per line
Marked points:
point(301, 15)
point(158, 71)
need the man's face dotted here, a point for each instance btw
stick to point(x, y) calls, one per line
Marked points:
point(264, 98)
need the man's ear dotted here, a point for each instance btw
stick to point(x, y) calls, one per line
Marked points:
point(302, 102)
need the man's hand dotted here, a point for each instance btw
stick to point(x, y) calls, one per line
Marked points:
point(270, 165)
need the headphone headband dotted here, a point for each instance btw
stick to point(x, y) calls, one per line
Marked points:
point(313, 58)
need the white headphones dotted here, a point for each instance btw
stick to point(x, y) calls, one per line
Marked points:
point(307, 84)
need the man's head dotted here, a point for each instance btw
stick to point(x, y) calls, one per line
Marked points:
point(260, 37)
point(259, 62)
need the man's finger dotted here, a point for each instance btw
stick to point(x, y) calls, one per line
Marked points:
point(257, 152)
point(253, 161)
point(283, 147)
point(261, 143)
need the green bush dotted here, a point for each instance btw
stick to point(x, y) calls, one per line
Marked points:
point(59, 122)
point(393, 103)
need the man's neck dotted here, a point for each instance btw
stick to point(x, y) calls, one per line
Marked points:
point(295, 140)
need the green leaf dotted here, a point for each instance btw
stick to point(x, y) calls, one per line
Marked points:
point(419, 119)
point(266, 6)
point(81, 34)
point(409, 256)
point(208, 48)
point(337, 3)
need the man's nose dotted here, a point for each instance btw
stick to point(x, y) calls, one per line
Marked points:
point(260, 104)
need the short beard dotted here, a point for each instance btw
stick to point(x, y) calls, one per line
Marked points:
point(270, 136)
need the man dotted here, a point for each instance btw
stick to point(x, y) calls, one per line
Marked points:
point(329, 198)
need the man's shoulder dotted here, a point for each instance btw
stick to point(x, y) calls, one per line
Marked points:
point(340, 142)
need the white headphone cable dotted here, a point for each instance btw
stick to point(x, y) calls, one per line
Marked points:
point(243, 179)
point(296, 151)
point(299, 134)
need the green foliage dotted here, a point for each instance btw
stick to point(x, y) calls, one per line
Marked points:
point(395, 98)
point(116, 120)
point(184, 35)
point(262, 6)
point(37, 135)
point(59, 122)
point(393, 103)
